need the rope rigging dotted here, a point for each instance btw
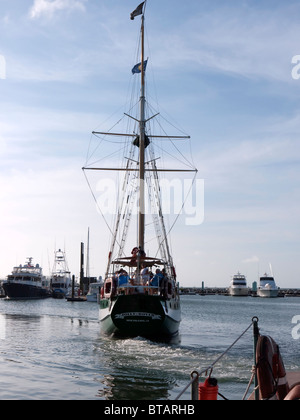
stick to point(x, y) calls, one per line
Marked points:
point(145, 136)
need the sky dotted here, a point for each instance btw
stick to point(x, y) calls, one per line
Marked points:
point(223, 70)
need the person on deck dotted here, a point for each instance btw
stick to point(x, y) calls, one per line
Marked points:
point(164, 285)
point(155, 282)
point(145, 276)
point(123, 278)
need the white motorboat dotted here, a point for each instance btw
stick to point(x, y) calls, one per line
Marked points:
point(238, 286)
point(267, 287)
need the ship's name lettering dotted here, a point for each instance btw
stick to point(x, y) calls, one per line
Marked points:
point(138, 314)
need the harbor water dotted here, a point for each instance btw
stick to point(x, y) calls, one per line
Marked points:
point(53, 349)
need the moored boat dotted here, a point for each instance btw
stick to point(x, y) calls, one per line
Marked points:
point(267, 287)
point(27, 282)
point(238, 286)
point(94, 291)
point(61, 276)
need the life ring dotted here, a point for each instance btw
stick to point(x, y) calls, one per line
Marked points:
point(271, 372)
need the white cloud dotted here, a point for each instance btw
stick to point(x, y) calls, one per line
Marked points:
point(47, 8)
point(40, 206)
point(251, 260)
point(242, 41)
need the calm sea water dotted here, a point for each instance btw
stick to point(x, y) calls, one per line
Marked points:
point(53, 349)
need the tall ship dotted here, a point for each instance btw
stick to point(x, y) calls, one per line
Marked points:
point(140, 295)
point(61, 276)
point(27, 282)
point(267, 287)
point(238, 286)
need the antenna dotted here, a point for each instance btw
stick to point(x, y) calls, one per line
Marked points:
point(271, 269)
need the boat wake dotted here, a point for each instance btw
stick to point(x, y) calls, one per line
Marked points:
point(142, 369)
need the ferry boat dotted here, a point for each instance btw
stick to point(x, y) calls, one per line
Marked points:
point(238, 286)
point(140, 296)
point(27, 282)
point(267, 287)
point(61, 276)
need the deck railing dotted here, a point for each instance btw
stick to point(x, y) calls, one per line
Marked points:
point(196, 375)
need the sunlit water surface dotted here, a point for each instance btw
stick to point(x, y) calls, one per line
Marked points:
point(53, 349)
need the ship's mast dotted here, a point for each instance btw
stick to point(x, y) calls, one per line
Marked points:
point(141, 224)
point(142, 143)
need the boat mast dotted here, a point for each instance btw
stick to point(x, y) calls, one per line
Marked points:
point(141, 224)
point(142, 142)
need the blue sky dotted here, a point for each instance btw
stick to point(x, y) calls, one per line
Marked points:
point(222, 69)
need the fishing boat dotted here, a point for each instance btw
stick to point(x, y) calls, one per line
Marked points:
point(61, 276)
point(238, 286)
point(27, 282)
point(267, 287)
point(140, 295)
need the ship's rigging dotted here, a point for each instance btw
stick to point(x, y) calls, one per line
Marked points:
point(145, 158)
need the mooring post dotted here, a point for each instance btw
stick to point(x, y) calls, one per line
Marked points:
point(195, 386)
point(255, 336)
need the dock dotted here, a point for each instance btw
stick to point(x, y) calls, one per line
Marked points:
point(77, 299)
point(223, 291)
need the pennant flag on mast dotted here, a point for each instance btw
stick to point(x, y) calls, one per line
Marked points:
point(138, 11)
point(138, 67)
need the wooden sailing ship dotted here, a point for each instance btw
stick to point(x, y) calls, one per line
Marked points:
point(140, 296)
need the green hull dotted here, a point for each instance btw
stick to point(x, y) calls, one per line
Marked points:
point(140, 315)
